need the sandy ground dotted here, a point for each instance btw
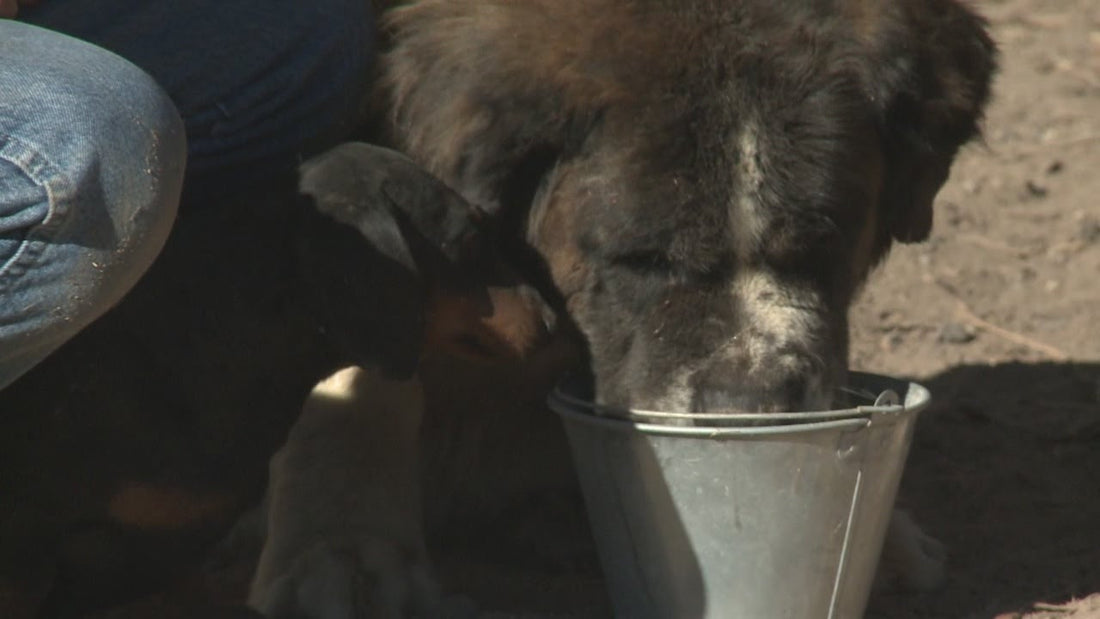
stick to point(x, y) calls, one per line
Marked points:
point(999, 314)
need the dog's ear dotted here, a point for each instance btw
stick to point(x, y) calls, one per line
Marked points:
point(930, 65)
point(375, 230)
point(402, 210)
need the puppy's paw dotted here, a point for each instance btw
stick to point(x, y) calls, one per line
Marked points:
point(911, 559)
point(350, 579)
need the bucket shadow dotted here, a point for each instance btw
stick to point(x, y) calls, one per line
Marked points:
point(1004, 470)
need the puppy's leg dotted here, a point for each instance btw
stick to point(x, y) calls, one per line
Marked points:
point(345, 534)
point(911, 558)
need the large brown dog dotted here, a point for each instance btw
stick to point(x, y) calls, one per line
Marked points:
point(705, 184)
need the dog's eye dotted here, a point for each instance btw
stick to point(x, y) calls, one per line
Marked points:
point(704, 271)
point(643, 261)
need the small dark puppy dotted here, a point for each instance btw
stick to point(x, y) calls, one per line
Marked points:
point(135, 446)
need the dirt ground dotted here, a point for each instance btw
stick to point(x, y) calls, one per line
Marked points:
point(999, 315)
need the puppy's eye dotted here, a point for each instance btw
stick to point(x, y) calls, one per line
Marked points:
point(468, 248)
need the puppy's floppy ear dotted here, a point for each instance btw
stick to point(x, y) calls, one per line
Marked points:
point(374, 227)
point(395, 204)
point(930, 66)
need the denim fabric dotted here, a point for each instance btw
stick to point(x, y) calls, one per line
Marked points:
point(92, 152)
point(258, 82)
point(91, 162)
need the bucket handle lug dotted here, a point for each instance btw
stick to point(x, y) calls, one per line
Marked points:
point(888, 397)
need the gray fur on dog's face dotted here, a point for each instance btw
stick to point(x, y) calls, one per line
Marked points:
point(707, 183)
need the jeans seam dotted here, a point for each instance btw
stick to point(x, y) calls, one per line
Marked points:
point(59, 191)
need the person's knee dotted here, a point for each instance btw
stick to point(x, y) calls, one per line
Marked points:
point(119, 178)
point(92, 154)
point(141, 153)
point(92, 128)
point(133, 148)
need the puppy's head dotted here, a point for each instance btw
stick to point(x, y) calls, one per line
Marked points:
point(396, 261)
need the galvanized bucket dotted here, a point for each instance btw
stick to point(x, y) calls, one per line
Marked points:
point(738, 520)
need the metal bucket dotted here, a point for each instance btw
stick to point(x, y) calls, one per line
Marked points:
point(742, 520)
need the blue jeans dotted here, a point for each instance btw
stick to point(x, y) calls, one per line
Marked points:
point(97, 128)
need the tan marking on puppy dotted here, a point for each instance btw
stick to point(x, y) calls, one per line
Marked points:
point(507, 323)
point(150, 506)
point(516, 319)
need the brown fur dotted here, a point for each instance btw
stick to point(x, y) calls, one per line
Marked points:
point(591, 121)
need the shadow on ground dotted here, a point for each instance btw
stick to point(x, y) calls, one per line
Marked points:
point(1005, 470)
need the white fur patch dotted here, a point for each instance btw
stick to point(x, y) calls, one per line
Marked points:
point(778, 315)
point(749, 178)
point(679, 396)
point(344, 523)
point(338, 386)
point(776, 308)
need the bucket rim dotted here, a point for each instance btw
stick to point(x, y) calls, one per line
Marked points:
point(912, 398)
point(713, 432)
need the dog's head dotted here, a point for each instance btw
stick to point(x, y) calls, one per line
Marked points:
point(707, 183)
point(397, 264)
